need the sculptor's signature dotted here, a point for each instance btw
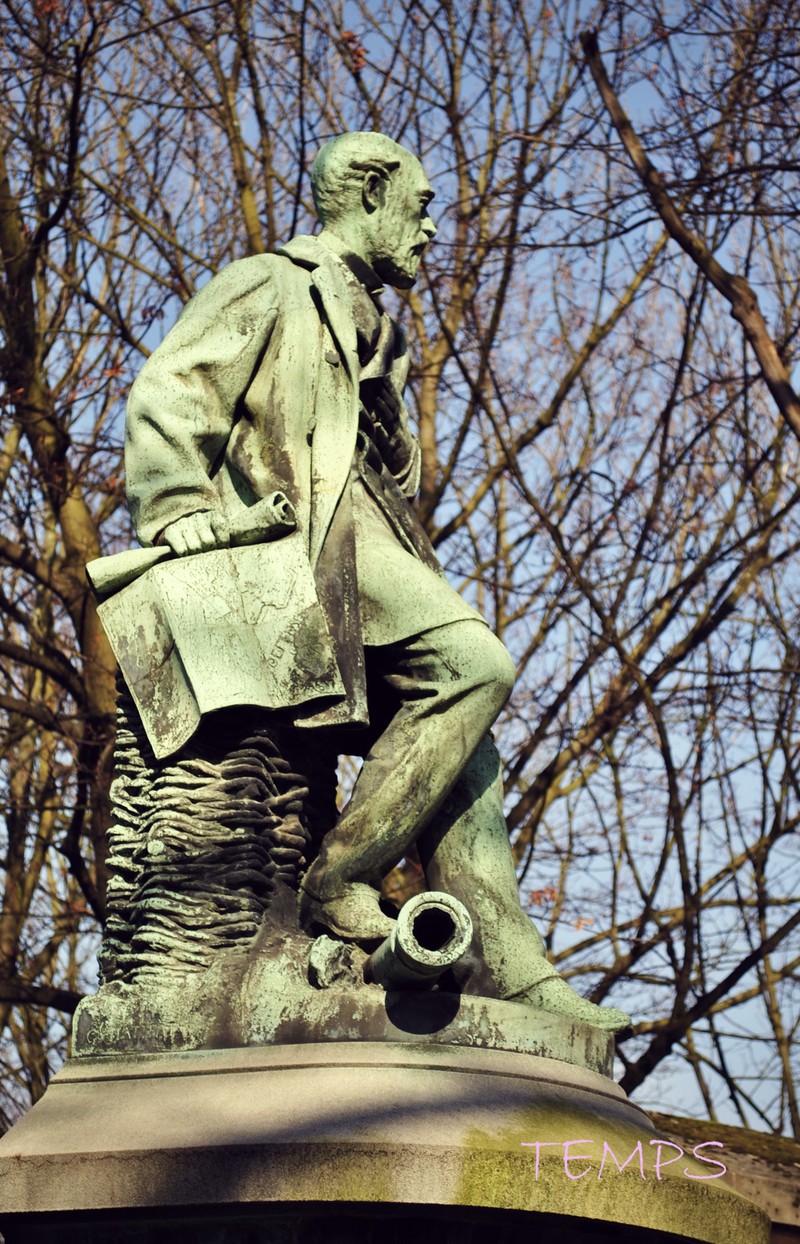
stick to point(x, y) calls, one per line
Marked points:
point(607, 1157)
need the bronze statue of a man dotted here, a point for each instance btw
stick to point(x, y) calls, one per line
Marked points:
point(284, 375)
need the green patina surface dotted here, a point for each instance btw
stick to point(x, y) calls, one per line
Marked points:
point(286, 585)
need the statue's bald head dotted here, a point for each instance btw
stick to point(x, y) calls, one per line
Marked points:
point(338, 173)
point(373, 195)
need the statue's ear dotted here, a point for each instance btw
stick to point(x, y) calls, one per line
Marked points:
point(373, 190)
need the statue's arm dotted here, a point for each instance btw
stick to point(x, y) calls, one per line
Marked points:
point(183, 404)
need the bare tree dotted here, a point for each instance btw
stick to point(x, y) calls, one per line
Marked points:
point(606, 473)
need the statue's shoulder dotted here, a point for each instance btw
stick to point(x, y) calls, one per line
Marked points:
point(280, 279)
point(238, 280)
point(257, 274)
point(244, 275)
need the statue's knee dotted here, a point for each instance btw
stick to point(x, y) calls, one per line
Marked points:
point(500, 668)
point(492, 668)
point(508, 671)
point(475, 658)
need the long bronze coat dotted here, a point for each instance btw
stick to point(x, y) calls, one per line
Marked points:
point(256, 389)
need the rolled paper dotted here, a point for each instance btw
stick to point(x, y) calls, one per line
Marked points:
point(268, 519)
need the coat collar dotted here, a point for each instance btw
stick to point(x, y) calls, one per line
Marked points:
point(313, 251)
point(306, 250)
point(328, 277)
point(357, 267)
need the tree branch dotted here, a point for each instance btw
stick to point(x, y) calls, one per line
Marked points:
point(734, 288)
point(19, 993)
point(661, 1046)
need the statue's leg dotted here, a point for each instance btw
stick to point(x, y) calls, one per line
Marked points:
point(439, 693)
point(432, 777)
point(465, 851)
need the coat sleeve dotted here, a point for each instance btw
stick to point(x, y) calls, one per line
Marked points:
point(185, 401)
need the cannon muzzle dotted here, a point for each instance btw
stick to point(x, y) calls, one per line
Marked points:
point(432, 932)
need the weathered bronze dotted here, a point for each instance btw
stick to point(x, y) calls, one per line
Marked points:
point(430, 935)
point(288, 607)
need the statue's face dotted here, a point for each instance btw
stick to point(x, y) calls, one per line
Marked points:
point(400, 228)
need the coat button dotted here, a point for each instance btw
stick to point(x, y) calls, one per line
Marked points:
point(332, 357)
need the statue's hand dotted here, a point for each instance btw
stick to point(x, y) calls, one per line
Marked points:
point(391, 433)
point(387, 405)
point(197, 533)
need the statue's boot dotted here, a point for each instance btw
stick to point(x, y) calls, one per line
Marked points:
point(353, 915)
point(556, 996)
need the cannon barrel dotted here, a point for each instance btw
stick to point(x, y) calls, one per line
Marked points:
point(432, 932)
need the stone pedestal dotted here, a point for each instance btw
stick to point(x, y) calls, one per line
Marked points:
point(352, 1141)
